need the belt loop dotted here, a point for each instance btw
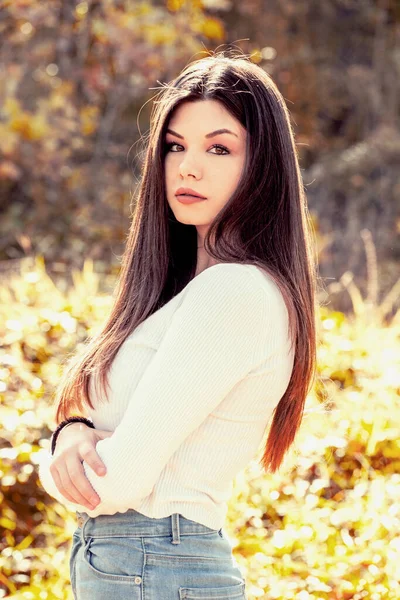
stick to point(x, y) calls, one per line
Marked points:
point(82, 520)
point(176, 539)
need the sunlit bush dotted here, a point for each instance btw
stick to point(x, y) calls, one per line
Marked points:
point(325, 527)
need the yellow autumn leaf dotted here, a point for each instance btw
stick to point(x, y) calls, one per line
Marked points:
point(11, 106)
point(160, 34)
point(7, 523)
point(175, 5)
point(31, 127)
point(213, 29)
point(26, 542)
point(89, 115)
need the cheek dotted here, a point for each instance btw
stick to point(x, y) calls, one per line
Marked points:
point(226, 176)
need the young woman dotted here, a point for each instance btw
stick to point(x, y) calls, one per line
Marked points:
point(211, 339)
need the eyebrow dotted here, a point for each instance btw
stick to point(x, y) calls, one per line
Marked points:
point(208, 135)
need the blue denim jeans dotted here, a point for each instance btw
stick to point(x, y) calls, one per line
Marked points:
point(132, 556)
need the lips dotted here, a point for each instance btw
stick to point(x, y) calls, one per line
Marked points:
point(189, 193)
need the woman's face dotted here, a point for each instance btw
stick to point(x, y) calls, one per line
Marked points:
point(197, 157)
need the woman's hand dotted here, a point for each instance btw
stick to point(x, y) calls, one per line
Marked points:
point(76, 443)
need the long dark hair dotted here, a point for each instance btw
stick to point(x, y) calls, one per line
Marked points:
point(265, 222)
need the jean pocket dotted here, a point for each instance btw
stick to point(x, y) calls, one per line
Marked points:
point(109, 559)
point(230, 592)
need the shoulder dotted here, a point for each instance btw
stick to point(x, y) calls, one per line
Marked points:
point(224, 276)
point(235, 303)
point(233, 273)
point(246, 284)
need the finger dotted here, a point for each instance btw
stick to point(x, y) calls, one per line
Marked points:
point(89, 455)
point(67, 487)
point(79, 485)
point(59, 484)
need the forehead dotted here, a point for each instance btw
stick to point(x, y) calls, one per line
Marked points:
point(204, 114)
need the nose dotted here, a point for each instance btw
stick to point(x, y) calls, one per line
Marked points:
point(187, 167)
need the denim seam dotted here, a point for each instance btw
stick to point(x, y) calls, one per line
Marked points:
point(144, 578)
point(137, 535)
point(185, 558)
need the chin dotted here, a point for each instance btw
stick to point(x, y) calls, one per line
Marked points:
point(187, 220)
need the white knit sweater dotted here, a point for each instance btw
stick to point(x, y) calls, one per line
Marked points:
point(192, 391)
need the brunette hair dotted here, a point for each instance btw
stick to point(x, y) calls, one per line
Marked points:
point(265, 222)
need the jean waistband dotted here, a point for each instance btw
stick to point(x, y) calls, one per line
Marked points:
point(133, 523)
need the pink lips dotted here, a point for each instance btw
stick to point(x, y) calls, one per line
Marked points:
point(189, 192)
point(189, 199)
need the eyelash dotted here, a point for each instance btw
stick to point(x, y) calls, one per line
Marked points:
point(168, 147)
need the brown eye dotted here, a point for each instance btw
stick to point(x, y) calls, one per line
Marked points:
point(224, 151)
point(220, 147)
point(168, 146)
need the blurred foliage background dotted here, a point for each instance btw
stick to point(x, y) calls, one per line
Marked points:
point(76, 82)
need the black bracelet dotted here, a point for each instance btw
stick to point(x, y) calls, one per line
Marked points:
point(56, 432)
